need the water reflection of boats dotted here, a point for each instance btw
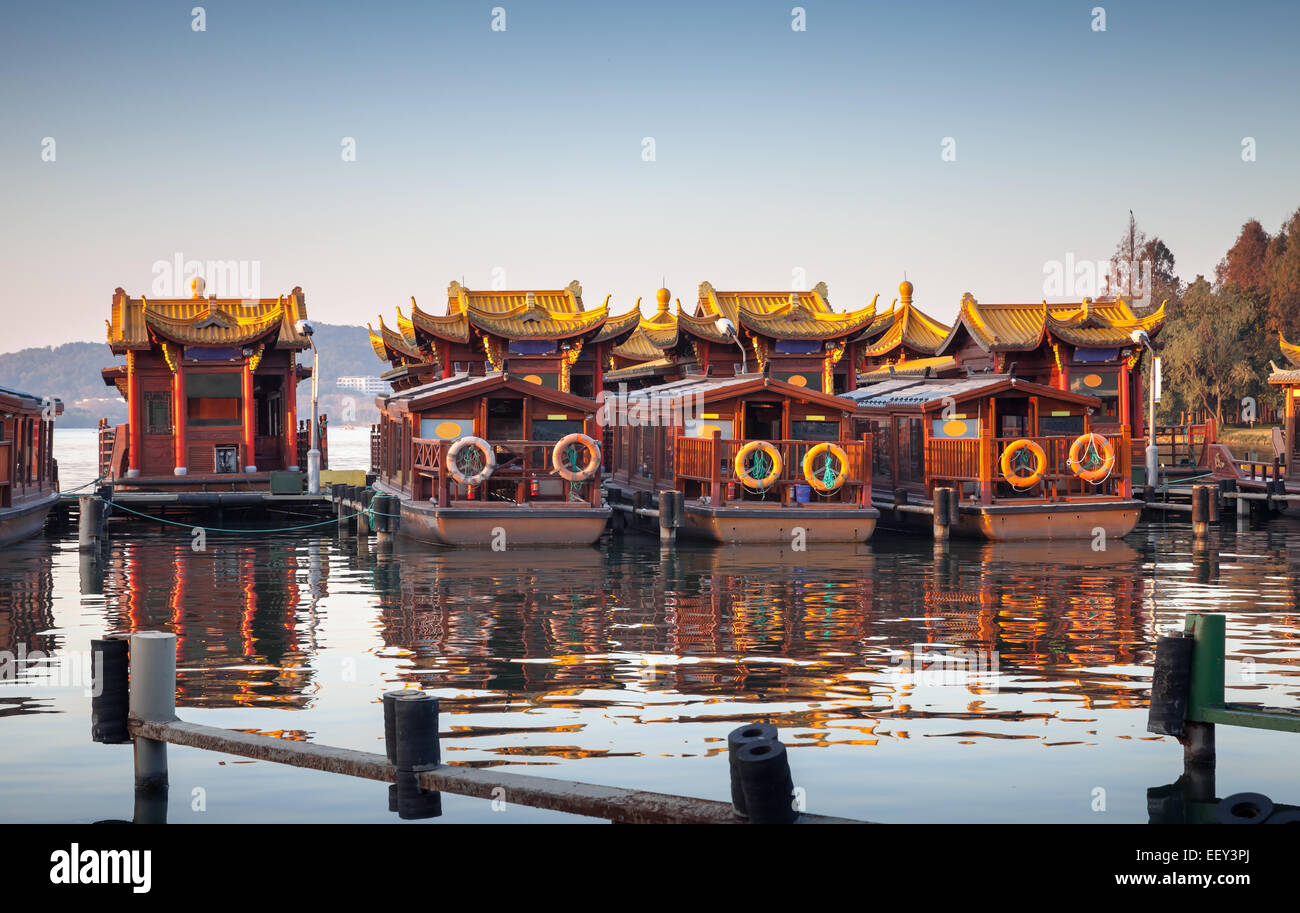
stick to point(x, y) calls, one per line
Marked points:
point(27, 598)
point(243, 615)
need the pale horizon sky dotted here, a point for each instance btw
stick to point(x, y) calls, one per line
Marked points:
point(775, 150)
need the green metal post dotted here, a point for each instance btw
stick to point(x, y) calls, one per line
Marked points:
point(1207, 684)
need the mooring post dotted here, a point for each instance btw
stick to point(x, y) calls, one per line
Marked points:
point(110, 692)
point(943, 498)
point(1200, 511)
point(90, 523)
point(386, 508)
point(412, 748)
point(363, 512)
point(670, 515)
point(737, 739)
point(153, 698)
point(766, 782)
point(1207, 686)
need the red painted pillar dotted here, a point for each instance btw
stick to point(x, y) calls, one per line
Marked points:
point(446, 361)
point(291, 417)
point(132, 417)
point(179, 415)
point(250, 419)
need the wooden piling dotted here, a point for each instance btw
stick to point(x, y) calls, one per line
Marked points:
point(90, 523)
point(1200, 511)
point(943, 511)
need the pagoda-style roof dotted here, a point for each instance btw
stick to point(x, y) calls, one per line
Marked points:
point(776, 315)
point(137, 322)
point(1290, 350)
point(934, 367)
point(1105, 323)
point(392, 346)
point(1286, 377)
point(554, 314)
point(903, 325)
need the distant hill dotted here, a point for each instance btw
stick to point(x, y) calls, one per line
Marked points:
point(71, 372)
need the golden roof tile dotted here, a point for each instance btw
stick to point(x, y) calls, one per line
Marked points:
point(213, 321)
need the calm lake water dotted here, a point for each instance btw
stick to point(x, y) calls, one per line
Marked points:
point(626, 666)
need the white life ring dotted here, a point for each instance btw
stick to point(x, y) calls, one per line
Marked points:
point(489, 460)
point(593, 458)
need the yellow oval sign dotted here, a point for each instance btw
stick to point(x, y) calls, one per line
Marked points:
point(1092, 380)
point(799, 380)
point(532, 378)
point(954, 428)
point(447, 430)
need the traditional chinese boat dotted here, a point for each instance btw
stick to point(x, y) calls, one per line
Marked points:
point(491, 460)
point(1022, 459)
point(756, 458)
point(29, 475)
point(211, 392)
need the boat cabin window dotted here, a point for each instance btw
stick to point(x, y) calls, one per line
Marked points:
point(582, 385)
point(814, 431)
point(213, 399)
point(157, 412)
point(762, 421)
point(505, 420)
point(1060, 423)
point(554, 429)
point(1101, 383)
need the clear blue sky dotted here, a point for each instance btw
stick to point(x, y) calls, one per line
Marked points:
point(775, 150)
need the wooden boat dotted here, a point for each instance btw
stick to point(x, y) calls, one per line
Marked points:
point(491, 460)
point(211, 392)
point(708, 438)
point(29, 475)
point(972, 433)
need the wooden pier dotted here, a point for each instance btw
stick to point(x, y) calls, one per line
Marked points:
point(147, 686)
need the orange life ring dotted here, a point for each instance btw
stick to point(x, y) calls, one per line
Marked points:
point(818, 482)
point(489, 460)
point(593, 458)
point(1100, 446)
point(1015, 478)
point(742, 473)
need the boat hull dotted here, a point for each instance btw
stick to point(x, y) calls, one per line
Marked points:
point(777, 524)
point(1059, 521)
point(501, 528)
point(25, 520)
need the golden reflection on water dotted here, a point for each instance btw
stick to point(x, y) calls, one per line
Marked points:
point(825, 642)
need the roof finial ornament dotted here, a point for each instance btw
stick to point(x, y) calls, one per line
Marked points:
point(905, 291)
point(197, 285)
point(662, 297)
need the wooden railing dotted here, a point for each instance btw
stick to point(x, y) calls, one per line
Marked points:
point(711, 462)
point(524, 474)
point(1181, 445)
point(954, 462)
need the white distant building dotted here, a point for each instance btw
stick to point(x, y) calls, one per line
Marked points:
point(364, 384)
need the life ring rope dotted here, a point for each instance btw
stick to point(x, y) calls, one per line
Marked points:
point(829, 479)
point(564, 460)
point(1095, 451)
point(765, 467)
point(474, 468)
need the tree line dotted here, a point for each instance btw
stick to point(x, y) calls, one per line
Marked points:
point(1221, 334)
